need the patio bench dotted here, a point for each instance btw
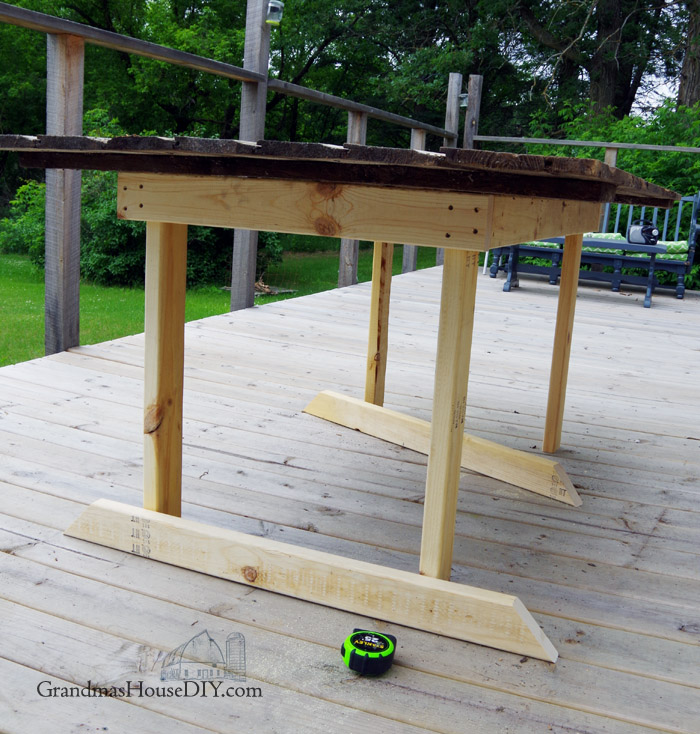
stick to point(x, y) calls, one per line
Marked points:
point(610, 249)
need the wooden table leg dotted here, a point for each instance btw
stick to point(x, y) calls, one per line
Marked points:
point(561, 350)
point(449, 406)
point(166, 270)
point(534, 473)
point(432, 604)
point(379, 323)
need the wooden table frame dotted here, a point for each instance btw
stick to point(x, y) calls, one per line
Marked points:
point(427, 600)
point(465, 201)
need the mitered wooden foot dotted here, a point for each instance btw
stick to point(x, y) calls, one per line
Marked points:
point(527, 471)
point(463, 612)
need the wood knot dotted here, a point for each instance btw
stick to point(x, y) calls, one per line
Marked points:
point(152, 418)
point(326, 227)
point(328, 190)
point(250, 573)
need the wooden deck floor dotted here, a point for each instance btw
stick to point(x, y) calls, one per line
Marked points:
point(615, 584)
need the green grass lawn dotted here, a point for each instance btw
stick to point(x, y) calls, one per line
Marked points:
point(105, 313)
point(306, 273)
point(109, 313)
point(21, 310)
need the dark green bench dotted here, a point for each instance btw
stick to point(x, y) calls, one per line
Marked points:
point(609, 249)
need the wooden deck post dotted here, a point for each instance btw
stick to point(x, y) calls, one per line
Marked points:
point(449, 407)
point(610, 160)
point(454, 89)
point(64, 116)
point(166, 274)
point(561, 350)
point(471, 120)
point(409, 260)
point(350, 249)
point(611, 156)
point(471, 124)
point(252, 127)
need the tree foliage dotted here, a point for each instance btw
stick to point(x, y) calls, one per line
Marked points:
point(554, 67)
point(112, 251)
point(607, 50)
point(535, 55)
point(668, 124)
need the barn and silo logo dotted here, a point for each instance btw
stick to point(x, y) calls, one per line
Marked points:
point(203, 658)
point(202, 667)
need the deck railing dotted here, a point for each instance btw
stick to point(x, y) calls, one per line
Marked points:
point(611, 149)
point(65, 70)
point(65, 62)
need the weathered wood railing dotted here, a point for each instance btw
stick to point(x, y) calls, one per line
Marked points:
point(65, 63)
point(611, 149)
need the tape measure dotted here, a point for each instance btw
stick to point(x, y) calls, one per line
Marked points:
point(368, 653)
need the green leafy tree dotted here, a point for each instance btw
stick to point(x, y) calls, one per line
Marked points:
point(689, 85)
point(22, 231)
point(112, 251)
point(669, 124)
point(23, 99)
point(542, 61)
point(605, 50)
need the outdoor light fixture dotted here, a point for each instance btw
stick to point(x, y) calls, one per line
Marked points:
point(275, 8)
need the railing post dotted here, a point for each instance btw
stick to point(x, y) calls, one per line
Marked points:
point(471, 121)
point(611, 156)
point(611, 160)
point(252, 127)
point(350, 249)
point(64, 116)
point(410, 252)
point(471, 126)
point(454, 89)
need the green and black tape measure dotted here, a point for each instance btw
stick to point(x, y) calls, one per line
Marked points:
point(368, 653)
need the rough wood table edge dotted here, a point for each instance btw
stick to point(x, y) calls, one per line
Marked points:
point(622, 185)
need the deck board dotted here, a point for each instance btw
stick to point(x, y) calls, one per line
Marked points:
point(615, 583)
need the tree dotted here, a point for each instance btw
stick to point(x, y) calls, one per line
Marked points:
point(23, 98)
point(613, 46)
point(689, 87)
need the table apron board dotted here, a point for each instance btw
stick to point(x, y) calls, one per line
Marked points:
point(464, 221)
